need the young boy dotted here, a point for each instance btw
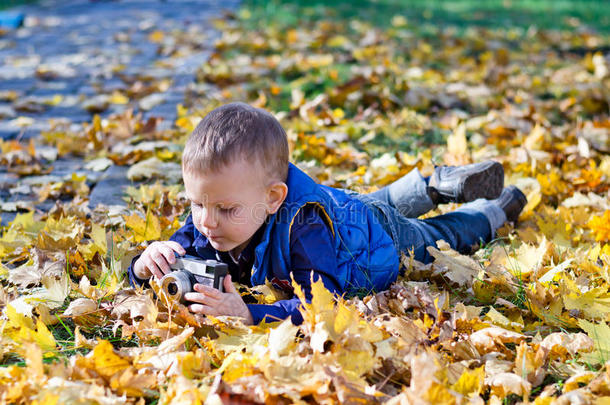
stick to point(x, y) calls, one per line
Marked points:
point(268, 220)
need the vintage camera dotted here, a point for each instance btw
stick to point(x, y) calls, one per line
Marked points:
point(190, 270)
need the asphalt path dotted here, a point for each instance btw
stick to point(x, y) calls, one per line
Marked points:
point(69, 58)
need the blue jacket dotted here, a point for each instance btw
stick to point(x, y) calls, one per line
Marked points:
point(366, 257)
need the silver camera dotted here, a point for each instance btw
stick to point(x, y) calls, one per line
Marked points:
point(190, 270)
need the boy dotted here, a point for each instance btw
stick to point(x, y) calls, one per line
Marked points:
point(268, 220)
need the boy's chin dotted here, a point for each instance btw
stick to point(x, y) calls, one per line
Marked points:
point(221, 245)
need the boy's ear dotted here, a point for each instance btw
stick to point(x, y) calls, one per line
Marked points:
point(276, 194)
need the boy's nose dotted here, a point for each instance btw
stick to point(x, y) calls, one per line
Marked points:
point(209, 219)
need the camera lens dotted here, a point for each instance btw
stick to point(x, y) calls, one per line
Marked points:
point(172, 289)
point(176, 284)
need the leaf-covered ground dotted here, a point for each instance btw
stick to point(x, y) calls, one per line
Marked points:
point(525, 319)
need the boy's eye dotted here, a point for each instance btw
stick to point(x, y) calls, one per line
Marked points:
point(227, 210)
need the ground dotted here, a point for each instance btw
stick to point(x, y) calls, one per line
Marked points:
point(97, 99)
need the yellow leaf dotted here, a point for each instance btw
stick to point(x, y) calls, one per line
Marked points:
point(109, 281)
point(60, 234)
point(43, 336)
point(16, 319)
point(544, 400)
point(535, 138)
point(600, 225)
point(529, 364)
point(460, 269)
point(457, 147)
point(98, 235)
point(322, 299)
point(594, 304)
point(98, 244)
point(551, 183)
point(344, 318)
point(181, 110)
point(500, 320)
point(107, 362)
point(503, 384)
point(600, 333)
point(27, 223)
point(132, 383)
point(144, 229)
point(356, 362)
point(238, 365)
point(55, 100)
point(438, 394)
point(188, 123)
point(524, 260)
point(456, 142)
point(156, 36)
point(118, 98)
point(33, 359)
point(556, 230)
point(23, 330)
point(470, 382)
point(578, 380)
point(282, 338)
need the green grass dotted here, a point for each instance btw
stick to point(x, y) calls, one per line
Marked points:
point(545, 14)
point(4, 4)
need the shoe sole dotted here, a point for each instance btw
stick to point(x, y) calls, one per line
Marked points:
point(486, 183)
point(519, 201)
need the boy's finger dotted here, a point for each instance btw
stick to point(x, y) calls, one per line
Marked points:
point(202, 309)
point(159, 258)
point(228, 285)
point(152, 267)
point(176, 247)
point(168, 253)
point(201, 298)
point(209, 291)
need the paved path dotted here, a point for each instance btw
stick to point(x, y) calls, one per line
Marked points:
point(71, 55)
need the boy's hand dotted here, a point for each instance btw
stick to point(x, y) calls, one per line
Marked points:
point(156, 259)
point(210, 301)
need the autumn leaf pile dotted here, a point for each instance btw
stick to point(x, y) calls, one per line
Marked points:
point(525, 319)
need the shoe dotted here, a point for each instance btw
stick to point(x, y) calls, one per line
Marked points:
point(466, 183)
point(512, 201)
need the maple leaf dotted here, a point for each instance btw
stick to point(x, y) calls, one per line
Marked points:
point(457, 147)
point(22, 329)
point(600, 334)
point(60, 234)
point(458, 268)
point(84, 312)
point(561, 344)
point(594, 304)
point(155, 168)
point(600, 225)
point(493, 338)
point(98, 243)
point(503, 384)
point(470, 382)
point(144, 229)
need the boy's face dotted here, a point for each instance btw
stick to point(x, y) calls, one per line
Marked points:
point(229, 205)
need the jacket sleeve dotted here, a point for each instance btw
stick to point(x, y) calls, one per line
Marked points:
point(185, 236)
point(311, 251)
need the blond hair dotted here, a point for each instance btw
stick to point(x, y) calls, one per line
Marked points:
point(237, 130)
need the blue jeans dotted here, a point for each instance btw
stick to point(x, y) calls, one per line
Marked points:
point(468, 226)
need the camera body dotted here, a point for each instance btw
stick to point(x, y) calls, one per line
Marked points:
point(190, 270)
